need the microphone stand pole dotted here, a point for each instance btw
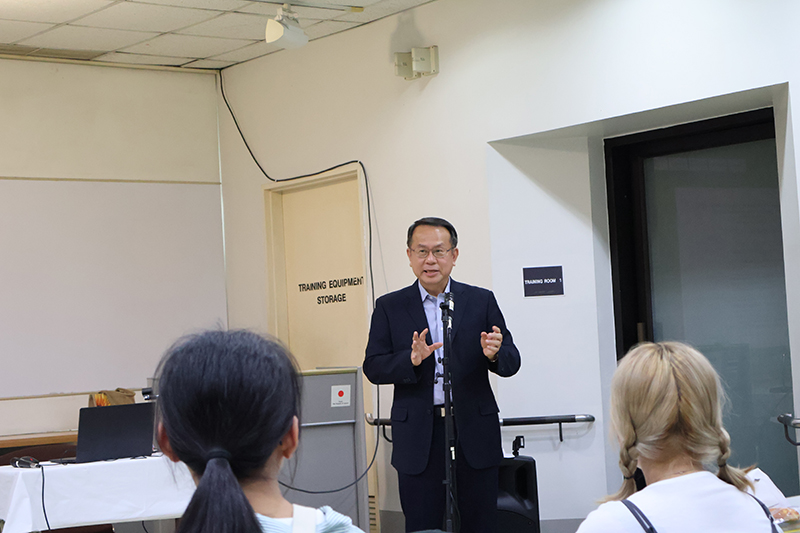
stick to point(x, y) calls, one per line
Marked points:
point(449, 427)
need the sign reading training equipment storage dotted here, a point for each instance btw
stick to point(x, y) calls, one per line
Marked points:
point(542, 281)
point(331, 284)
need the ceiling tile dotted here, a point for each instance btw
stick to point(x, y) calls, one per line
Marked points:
point(343, 3)
point(249, 52)
point(210, 64)
point(56, 11)
point(187, 46)
point(65, 54)
point(316, 13)
point(11, 31)
point(140, 59)
point(368, 15)
point(218, 5)
point(302, 12)
point(305, 23)
point(145, 17)
point(260, 8)
point(169, 32)
point(78, 38)
point(231, 26)
point(327, 27)
point(381, 9)
point(16, 50)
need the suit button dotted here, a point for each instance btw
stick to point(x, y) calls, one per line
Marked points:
point(407, 380)
point(430, 411)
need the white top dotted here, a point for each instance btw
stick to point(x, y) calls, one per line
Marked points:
point(328, 521)
point(695, 502)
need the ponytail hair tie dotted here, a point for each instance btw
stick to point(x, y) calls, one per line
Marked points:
point(218, 453)
point(627, 477)
point(722, 464)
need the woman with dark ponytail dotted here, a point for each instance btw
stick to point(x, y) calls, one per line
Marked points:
point(666, 412)
point(229, 405)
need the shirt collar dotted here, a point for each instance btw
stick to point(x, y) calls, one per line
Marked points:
point(424, 294)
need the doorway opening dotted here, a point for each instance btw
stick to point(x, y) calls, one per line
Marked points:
point(697, 256)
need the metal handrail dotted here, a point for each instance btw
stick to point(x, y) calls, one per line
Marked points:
point(372, 421)
point(541, 420)
point(516, 421)
point(788, 420)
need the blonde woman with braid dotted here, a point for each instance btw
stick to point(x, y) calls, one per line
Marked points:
point(666, 412)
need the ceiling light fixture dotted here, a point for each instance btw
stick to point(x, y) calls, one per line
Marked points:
point(284, 30)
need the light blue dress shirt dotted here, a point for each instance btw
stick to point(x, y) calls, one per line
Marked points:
point(434, 315)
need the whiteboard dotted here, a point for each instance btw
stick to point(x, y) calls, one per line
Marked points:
point(97, 279)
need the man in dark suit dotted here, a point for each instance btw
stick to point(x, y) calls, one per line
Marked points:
point(406, 331)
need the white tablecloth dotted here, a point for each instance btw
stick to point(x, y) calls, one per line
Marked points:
point(150, 488)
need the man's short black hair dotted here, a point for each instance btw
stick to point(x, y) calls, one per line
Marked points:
point(437, 223)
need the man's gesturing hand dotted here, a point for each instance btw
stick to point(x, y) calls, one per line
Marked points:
point(490, 342)
point(420, 349)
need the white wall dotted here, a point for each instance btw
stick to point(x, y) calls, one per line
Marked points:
point(72, 121)
point(540, 210)
point(549, 193)
point(509, 68)
point(92, 140)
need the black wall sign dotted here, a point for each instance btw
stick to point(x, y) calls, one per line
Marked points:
point(542, 281)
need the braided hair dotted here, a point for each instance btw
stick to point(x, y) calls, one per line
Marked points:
point(667, 396)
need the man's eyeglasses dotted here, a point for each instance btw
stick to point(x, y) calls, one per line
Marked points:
point(438, 253)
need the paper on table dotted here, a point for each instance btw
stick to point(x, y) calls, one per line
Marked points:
point(765, 489)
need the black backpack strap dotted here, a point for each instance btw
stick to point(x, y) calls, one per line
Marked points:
point(769, 515)
point(640, 517)
point(648, 527)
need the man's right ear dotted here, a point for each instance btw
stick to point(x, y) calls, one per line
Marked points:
point(163, 443)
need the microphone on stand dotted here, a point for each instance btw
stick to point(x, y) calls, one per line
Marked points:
point(447, 307)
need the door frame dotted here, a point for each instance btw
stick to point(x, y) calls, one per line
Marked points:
point(627, 215)
point(275, 271)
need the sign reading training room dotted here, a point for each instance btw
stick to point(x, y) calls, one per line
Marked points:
point(542, 281)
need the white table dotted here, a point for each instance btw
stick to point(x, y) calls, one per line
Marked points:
point(150, 488)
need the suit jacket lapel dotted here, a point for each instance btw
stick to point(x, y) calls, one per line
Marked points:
point(416, 311)
point(460, 303)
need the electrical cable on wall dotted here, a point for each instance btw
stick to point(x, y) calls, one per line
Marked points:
point(369, 267)
point(270, 178)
